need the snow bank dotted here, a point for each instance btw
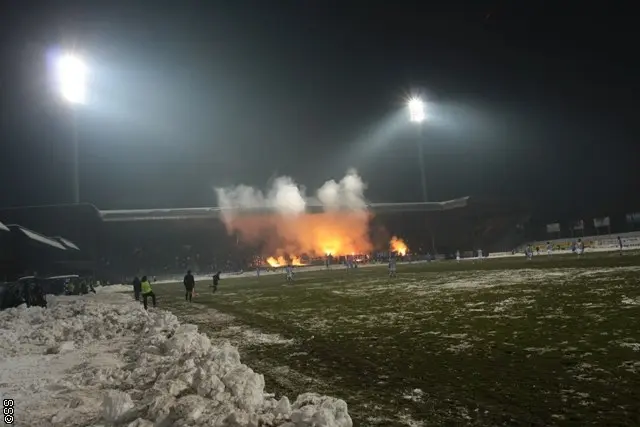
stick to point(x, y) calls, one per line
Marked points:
point(102, 360)
point(114, 288)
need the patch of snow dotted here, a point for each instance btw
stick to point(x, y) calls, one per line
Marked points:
point(454, 336)
point(630, 301)
point(409, 422)
point(540, 350)
point(632, 366)
point(459, 347)
point(102, 358)
point(252, 337)
point(110, 289)
point(415, 395)
point(635, 346)
point(510, 302)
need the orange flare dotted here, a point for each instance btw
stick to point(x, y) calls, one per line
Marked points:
point(398, 245)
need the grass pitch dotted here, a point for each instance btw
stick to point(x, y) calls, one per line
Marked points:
point(553, 341)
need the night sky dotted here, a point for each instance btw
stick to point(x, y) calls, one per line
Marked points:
point(535, 101)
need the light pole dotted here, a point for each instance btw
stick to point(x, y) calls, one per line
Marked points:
point(72, 85)
point(418, 115)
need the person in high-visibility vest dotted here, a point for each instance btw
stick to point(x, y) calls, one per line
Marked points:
point(147, 292)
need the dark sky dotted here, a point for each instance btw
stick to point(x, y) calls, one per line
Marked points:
point(534, 100)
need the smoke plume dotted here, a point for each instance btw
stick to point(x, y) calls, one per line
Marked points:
point(341, 228)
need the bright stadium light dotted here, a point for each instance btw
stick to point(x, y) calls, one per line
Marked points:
point(72, 78)
point(416, 110)
point(70, 74)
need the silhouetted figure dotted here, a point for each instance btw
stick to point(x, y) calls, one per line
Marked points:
point(137, 289)
point(189, 285)
point(216, 279)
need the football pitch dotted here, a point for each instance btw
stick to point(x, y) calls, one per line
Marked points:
point(552, 341)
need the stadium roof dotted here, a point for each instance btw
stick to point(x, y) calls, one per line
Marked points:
point(67, 243)
point(3, 227)
point(313, 207)
point(38, 237)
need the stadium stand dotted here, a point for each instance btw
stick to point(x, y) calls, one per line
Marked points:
point(487, 224)
point(166, 242)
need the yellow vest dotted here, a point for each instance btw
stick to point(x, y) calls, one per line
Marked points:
point(145, 287)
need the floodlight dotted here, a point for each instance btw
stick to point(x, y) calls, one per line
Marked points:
point(72, 78)
point(416, 110)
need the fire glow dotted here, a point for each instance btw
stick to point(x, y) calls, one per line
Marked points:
point(342, 229)
point(398, 245)
point(281, 261)
point(314, 235)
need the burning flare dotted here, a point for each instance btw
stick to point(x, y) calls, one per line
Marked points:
point(342, 229)
point(281, 261)
point(398, 245)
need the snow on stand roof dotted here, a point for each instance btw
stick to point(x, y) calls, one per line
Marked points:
point(3, 227)
point(311, 207)
point(67, 243)
point(38, 237)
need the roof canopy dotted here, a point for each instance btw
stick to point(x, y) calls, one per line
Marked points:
point(311, 207)
point(67, 243)
point(38, 237)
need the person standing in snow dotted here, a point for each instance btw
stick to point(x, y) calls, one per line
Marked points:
point(216, 279)
point(136, 288)
point(392, 266)
point(549, 248)
point(620, 244)
point(289, 271)
point(189, 286)
point(457, 256)
point(147, 292)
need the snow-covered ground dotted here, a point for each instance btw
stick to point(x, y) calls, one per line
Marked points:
point(101, 359)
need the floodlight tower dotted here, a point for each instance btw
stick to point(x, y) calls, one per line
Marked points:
point(72, 85)
point(417, 115)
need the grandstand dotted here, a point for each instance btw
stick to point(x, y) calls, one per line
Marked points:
point(24, 251)
point(487, 224)
point(29, 246)
point(167, 241)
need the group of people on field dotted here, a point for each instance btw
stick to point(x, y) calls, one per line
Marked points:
point(142, 288)
point(190, 284)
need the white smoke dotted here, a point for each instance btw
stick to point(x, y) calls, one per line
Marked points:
point(288, 198)
point(347, 194)
point(241, 196)
point(284, 196)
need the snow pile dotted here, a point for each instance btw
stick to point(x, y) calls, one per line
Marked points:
point(114, 288)
point(102, 360)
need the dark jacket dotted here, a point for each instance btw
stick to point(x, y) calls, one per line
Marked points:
point(137, 285)
point(189, 281)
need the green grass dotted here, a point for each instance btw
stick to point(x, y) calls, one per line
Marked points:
point(502, 342)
